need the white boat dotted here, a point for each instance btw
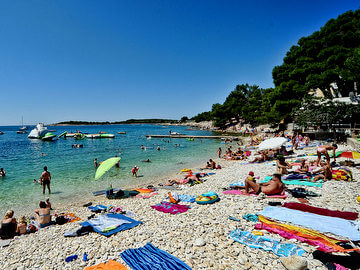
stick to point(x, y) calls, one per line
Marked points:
point(38, 132)
point(22, 123)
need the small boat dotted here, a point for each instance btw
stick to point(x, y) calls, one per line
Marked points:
point(38, 132)
point(1, 133)
point(48, 136)
point(100, 136)
point(121, 132)
point(21, 132)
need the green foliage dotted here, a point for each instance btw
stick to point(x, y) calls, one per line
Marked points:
point(204, 116)
point(184, 119)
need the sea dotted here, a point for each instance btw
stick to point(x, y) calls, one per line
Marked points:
point(73, 170)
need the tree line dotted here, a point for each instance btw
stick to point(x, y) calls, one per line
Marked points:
point(328, 59)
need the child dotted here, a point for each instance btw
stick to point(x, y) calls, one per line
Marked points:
point(21, 226)
point(251, 176)
point(134, 170)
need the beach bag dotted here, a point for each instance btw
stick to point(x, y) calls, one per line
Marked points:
point(342, 174)
point(298, 192)
point(61, 220)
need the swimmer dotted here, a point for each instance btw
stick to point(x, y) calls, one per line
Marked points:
point(95, 163)
point(117, 164)
point(146, 160)
point(43, 154)
point(142, 147)
point(2, 172)
point(158, 148)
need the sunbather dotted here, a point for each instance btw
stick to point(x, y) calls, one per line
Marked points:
point(186, 180)
point(274, 186)
point(263, 157)
point(282, 166)
point(325, 172)
point(304, 168)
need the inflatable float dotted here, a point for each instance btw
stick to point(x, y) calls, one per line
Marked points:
point(207, 198)
point(186, 170)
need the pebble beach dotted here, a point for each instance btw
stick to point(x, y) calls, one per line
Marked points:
point(198, 237)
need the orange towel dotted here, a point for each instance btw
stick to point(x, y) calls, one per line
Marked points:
point(144, 190)
point(110, 265)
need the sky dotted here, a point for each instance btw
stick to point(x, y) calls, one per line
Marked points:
point(119, 59)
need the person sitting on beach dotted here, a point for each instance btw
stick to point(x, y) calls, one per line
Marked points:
point(307, 140)
point(251, 177)
point(2, 172)
point(274, 186)
point(135, 170)
point(212, 164)
point(43, 214)
point(323, 150)
point(282, 166)
point(8, 225)
point(325, 172)
point(21, 226)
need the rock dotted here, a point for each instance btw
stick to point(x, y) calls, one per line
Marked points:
point(294, 263)
point(200, 242)
point(242, 259)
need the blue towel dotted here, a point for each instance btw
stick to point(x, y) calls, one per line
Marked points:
point(257, 241)
point(300, 182)
point(97, 207)
point(251, 217)
point(149, 257)
point(122, 227)
point(186, 198)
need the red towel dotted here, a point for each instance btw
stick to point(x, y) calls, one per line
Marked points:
point(321, 211)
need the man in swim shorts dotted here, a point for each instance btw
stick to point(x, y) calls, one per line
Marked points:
point(45, 180)
point(322, 149)
point(274, 186)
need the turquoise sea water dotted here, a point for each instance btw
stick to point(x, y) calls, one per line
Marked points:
point(73, 170)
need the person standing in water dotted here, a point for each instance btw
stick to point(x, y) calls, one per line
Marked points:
point(45, 180)
point(134, 170)
point(95, 163)
point(117, 164)
point(219, 152)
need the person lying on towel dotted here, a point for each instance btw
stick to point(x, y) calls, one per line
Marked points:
point(274, 186)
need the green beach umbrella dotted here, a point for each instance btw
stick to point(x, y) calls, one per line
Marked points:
point(105, 166)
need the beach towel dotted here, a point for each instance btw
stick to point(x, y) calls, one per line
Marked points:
point(241, 192)
point(171, 208)
point(294, 177)
point(69, 216)
point(126, 223)
point(110, 265)
point(334, 225)
point(321, 211)
point(323, 242)
point(352, 261)
point(238, 184)
point(251, 217)
point(257, 241)
point(97, 208)
point(4, 243)
point(299, 182)
point(185, 198)
point(150, 257)
point(146, 196)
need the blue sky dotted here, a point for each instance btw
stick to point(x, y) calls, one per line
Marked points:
point(115, 60)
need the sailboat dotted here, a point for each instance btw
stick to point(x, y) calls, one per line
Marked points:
point(23, 129)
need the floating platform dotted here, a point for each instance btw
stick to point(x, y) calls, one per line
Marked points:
point(194, 136)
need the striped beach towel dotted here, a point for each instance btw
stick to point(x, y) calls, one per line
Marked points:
point(150, 257)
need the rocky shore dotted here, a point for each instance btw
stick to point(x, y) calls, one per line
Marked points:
point(199, 237)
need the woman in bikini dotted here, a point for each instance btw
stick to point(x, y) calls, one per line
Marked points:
point(43, 214)
point(8, 225)
point(322, 149)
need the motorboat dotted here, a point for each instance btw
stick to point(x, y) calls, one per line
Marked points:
point(21, 131)
point(38, 132)
point(48, 136)
point(1, 133)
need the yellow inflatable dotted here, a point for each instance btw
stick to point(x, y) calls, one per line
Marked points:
point(358, 199)
point(185, 170)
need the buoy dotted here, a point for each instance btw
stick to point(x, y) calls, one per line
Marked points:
point(358, 199)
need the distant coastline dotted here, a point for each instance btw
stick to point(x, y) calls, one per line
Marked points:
point(129, 121)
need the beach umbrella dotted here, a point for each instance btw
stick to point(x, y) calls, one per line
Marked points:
point(350, 154)
point(105, 166)
point(272, 143)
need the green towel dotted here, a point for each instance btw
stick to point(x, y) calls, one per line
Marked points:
point(300, 182)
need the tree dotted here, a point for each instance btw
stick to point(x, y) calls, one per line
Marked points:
point(184, 119)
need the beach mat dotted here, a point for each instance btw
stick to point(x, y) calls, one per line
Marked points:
point(151, 257)
point(125, 226)
point(299, 182)
point(241, 192)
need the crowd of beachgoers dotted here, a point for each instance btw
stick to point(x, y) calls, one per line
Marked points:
point(291, 206)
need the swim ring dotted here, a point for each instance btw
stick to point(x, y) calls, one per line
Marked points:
point(207, 198)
